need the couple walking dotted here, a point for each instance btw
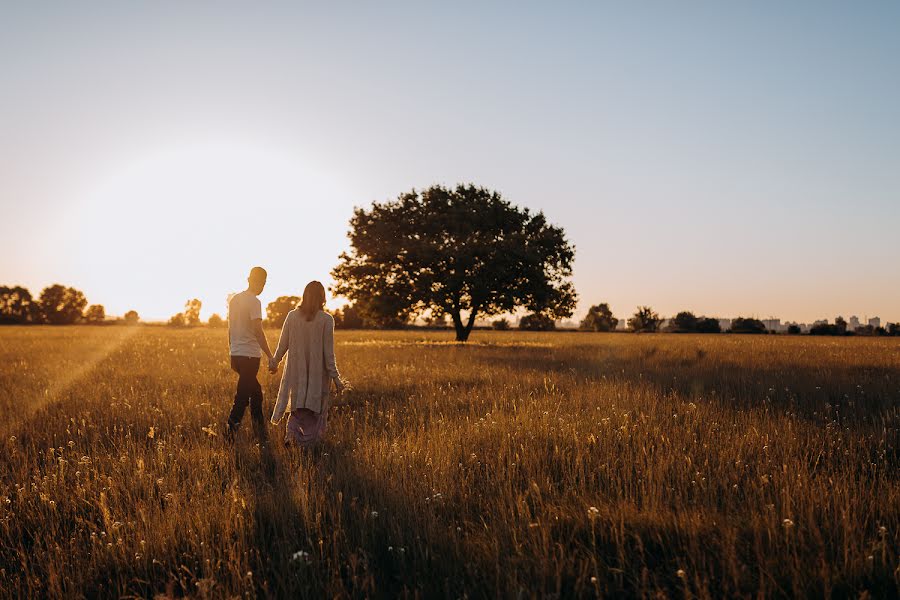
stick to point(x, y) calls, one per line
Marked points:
point(307, 338)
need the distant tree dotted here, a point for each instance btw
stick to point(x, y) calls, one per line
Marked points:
point(683, 322)
point(501, 325)
point(60, 305)
point(132, 317)
point(537, 322)
point(599, 318)
point(215, 320)
point(747, 325)
point(278, 309)
point(840, 326)
point(793, 329)
point(645, 319)
point(826, 329)
point(461, 251)
point(348, 318)
point(16, 305)
point(177, 320)
point(708, 325)
point(192, 312)
point(95, 313)
point(893, 328)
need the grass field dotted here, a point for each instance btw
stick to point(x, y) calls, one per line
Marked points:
point(532, 465)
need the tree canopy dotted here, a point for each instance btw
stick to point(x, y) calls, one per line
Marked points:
point(192, 312)
point(16, 305)
point(278, 309)
point(645, 319)
point(95, 314)
point(747, 325)
point(599, 318)
point(60, 305)
point(464, 251)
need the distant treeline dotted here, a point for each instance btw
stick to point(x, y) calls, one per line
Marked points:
point(62, 305)
point(57, 305)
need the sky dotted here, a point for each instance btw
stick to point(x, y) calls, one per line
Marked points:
point(726, 158)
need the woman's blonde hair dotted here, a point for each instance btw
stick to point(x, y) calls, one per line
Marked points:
point(313, 300)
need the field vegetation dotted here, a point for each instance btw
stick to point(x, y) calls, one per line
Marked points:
point(519, 464)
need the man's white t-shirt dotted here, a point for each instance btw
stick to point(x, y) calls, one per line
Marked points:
point(243, 308)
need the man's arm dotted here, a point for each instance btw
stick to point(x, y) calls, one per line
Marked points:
point(261, 337)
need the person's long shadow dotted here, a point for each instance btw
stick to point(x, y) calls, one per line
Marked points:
point(406, 552)
point(278, 523)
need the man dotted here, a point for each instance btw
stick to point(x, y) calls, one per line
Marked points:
point(247, 342)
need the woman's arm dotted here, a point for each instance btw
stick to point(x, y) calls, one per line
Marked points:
point(328, 349)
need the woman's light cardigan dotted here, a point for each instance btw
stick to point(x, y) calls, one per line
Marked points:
point(310, 363)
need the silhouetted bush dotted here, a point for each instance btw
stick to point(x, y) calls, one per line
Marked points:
point(708, 325)
point(747, 325)
point(500, 325)
point(644, 320)
point(537, 322)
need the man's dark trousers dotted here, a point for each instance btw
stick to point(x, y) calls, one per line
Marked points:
point(248, 391)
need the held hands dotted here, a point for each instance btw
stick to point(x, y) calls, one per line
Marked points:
point(273, 366)
point(340, 385)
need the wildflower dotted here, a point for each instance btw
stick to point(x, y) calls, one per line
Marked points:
point(374, 514)
point(681, 574)
point(787, 523)
point(300, 555)
point(152, 433)
point(593, 511)
point(593, 580)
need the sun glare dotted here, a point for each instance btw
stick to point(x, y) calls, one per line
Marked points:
point(191, 220)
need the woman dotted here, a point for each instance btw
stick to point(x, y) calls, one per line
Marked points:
point(308, 339)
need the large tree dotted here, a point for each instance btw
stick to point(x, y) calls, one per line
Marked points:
point(464, 251)
point(60, 305)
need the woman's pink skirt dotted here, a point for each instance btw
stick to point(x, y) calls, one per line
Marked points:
point(305, 428)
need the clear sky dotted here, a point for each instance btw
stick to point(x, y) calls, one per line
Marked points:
point(728, 158)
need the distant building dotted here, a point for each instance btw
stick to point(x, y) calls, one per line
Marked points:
point(773, 324)
point(725, 324)
point(875, 322)
point(853, 323)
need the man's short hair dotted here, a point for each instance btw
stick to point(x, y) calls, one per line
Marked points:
point(258, 273)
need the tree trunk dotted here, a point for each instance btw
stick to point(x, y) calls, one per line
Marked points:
point(463, 330)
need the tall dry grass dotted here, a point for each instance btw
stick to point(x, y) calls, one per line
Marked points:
point(534, 465)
